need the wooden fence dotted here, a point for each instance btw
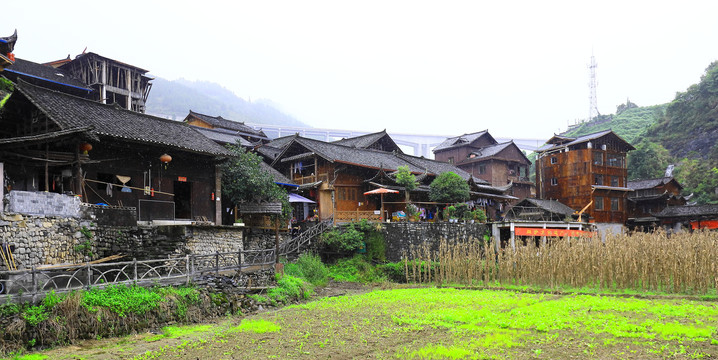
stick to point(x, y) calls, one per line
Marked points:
point(349, 216)
point(29, 283)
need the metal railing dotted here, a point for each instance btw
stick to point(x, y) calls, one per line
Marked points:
point(29, 283)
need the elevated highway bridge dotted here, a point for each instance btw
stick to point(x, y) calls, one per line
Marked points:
point(420, 144)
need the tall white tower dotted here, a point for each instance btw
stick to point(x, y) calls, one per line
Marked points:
point(593, 103)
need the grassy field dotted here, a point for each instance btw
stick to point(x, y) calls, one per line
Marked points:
point(431, 323)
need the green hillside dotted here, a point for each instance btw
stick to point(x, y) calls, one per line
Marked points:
point(630, 124)
point(683, 133)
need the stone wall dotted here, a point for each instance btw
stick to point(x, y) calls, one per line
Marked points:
point(43, 204)
point(257, 239)
point(40, 240)
point(400, 237)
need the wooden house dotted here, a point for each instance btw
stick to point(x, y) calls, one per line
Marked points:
point(650, 197)
point(689, 217)
point(336, 177)
point(375, 141)
point(225, 130)
point(482, 156)
point(540, 210)
point(586, 172)
point(52, 141)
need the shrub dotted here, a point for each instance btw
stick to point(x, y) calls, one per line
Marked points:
point(310, 268)
point(355, 269)
point(375, 246)
point(395, 272)
point(348, 240)
point(289, 288)
point(462, 211)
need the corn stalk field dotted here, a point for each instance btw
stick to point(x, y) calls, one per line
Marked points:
point(680, 263)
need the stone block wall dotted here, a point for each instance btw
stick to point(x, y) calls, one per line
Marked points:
point(401, 236)
point(257, 239)
point(43, 204)
point(41, 240)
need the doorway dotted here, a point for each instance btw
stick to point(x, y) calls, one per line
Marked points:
point(183, 200)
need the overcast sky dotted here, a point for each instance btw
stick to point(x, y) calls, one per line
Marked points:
point(517, 68)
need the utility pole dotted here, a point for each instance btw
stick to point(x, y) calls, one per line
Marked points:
point(593, 103)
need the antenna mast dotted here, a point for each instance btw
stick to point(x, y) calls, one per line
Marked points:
point(593, 103)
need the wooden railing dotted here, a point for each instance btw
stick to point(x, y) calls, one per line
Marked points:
point(349, 216)
point(29, 283)
point(295, 244)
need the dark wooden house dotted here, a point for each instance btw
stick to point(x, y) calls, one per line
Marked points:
point(52, 141)
point(689, 217)
point(589, 170)
point(650, 197)
point(114, 82)
point(336, 177)
point(540, 210)
point(225, 130)
point(480, 155)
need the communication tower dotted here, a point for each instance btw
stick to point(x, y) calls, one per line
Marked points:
point(593, 103)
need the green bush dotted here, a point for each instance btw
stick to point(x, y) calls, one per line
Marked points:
point(395, 272)
point(310, 268)
point(348, 240)
point(289, 288)
point(35, 314)
point(375, 246)
point(355, 269)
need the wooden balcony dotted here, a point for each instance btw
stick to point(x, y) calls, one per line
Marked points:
point(351, 216)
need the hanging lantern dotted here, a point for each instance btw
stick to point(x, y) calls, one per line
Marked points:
point(165, 158)
point(85, 147)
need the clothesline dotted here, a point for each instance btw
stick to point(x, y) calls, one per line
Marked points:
point(131, 187)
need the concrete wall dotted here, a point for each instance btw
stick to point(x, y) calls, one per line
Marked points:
point(401, 237)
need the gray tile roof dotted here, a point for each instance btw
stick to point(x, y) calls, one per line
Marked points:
point(221, 122)
point(26, 68)
point(223, 137)
point(689, 211)
point(365, 141)
point(649, 183)
point(553, 206)
point(579, 140)
point(460, 140)
point(70, 112)
point(489, 151)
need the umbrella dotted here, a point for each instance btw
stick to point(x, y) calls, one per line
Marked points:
point(381, 191)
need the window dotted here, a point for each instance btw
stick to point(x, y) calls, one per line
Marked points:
point(482, 169)
point(554, 160)
point(614, 181)
point(597, 158)
point(615, 204)
point(554, 181)
point(615, 160)
point(451, 159)
point(598, 179)
point(598, 203)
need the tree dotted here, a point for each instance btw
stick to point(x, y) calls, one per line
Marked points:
point(648, 161)
point(405, 178)
point(244, 181)
point(449, 187)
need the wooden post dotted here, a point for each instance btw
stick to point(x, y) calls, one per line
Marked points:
point(496, 234)
point(218, 195)
point(543, 238)
point(513, 235)
point(276, 240)
point(47, 168)
point(78, 172)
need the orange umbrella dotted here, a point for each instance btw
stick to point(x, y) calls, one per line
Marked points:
point(381, 191)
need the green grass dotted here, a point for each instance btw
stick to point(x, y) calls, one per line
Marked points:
point(173, 332)
point(355, 269)
point(447, 323)
point(122, 299)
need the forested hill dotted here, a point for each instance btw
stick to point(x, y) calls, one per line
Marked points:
point(683, 132)
point(174, 99)
point(630, 122)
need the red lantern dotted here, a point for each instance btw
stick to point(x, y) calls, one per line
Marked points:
point(85, 147)
point(165, 158)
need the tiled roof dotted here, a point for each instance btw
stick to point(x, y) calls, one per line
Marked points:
point(689, 211)
point(433, 166)
point(25, 68)
point(261, 208)
point(91, 54)
point(70, 112)
point(579, 140)
point(223, 137)
point(553, 206)
point(489, 151)
point(365, 141)
point(221, 122)
point(269, 152)
point(276, 175)
point(649, 183)
point(460, 140)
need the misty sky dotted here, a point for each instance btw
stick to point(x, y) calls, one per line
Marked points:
point(517, 68)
